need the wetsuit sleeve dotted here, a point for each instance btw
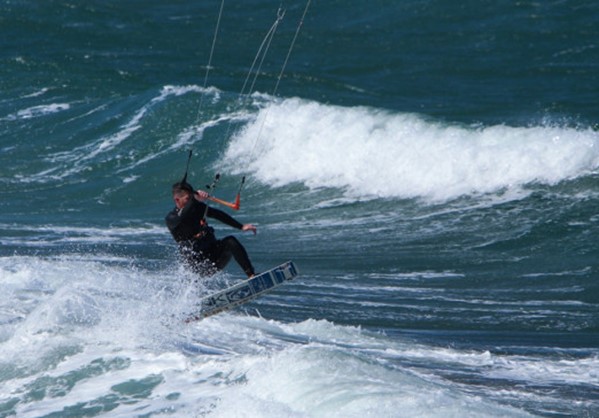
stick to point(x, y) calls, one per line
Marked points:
point(223, 217)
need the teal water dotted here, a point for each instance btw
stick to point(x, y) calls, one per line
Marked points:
point(432, 168)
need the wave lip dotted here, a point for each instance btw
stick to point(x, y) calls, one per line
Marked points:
point(375, 153)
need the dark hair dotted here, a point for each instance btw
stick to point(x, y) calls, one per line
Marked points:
point(182, 186)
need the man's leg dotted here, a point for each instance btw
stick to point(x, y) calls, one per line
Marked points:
point(231, 247)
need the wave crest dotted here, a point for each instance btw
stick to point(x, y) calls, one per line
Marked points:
point(374, 153)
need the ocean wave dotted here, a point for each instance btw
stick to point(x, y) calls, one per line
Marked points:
point(370, 152)
point(121, 129)
point(114, 333)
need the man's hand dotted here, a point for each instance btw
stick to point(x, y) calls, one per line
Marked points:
point(249, 227)
point(201, 195)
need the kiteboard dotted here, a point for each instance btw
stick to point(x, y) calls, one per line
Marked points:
point(245, 291)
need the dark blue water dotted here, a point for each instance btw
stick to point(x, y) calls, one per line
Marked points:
point(431, 167)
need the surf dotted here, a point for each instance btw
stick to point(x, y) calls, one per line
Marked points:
point(97, 343)
point(377, 153)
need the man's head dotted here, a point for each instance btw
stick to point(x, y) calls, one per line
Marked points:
point(182, 191)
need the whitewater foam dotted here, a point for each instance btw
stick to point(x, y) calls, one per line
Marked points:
point(376, 153)
point(38, 111)
point(96, 338)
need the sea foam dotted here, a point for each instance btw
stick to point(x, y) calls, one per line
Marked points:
point(370, 152)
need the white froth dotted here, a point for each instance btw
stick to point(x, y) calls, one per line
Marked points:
point(368, 152)
point(88, 334)
point(38, 111)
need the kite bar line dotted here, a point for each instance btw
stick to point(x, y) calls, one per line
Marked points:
point(299, 26)
point(262, 55)
point(211, 188)
point(258, 60)
point(274, 93)
point(262, 51)
point(209, 66)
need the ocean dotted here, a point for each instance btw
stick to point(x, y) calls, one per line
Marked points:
point(432, 167)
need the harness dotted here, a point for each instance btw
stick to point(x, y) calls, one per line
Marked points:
point(205, 231)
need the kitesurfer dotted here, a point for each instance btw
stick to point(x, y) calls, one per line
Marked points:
point(198, 245)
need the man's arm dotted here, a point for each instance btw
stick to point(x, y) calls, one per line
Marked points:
point(224, 217)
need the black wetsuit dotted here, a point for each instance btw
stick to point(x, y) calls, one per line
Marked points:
point(197, 243)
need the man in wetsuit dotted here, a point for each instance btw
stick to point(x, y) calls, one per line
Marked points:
point(198, 245)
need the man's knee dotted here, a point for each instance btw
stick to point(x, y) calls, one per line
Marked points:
point(230, 242)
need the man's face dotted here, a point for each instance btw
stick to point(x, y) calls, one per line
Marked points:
point(181, 199)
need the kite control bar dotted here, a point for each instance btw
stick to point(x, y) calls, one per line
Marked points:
point(233, 205)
